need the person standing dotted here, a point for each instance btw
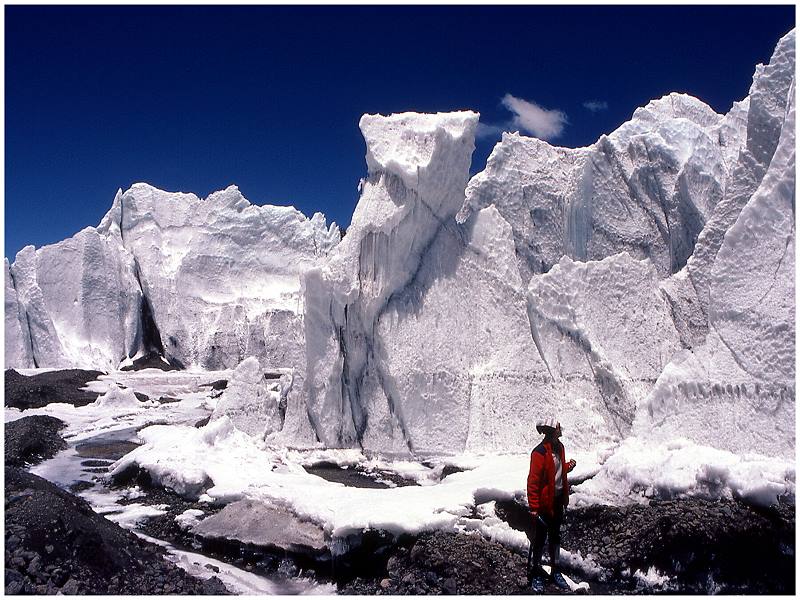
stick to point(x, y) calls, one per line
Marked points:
point(548, 496)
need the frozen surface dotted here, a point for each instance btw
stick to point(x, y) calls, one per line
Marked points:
point(219, 462)
point(118, 410)
point(642, 469)
point(239, 581)
point(225, 464)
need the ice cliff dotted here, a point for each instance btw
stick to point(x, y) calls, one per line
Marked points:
point(640, 288)
point(204, 283)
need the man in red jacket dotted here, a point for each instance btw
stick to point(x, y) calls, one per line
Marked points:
point(548, 495)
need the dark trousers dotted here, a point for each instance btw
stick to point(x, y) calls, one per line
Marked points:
point(551, 530)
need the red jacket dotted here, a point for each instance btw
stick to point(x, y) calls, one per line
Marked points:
point(542, 478)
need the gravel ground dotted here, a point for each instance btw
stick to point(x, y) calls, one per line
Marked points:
point(53, 386)
point(30, 440)
point(56, 543)
point(706, 546)
point(447, 563)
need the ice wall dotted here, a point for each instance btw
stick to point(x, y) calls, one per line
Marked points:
point(737, 389)
point(222, 275)
point(205, 283)
point(17, 333)
point(418, 168)
point(766, 109)
point(646, 189)
point(80, 302)
point(254, 400)
point(604, 330)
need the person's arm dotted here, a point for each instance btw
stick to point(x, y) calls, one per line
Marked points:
point(534, 482)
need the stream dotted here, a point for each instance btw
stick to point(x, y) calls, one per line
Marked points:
point(81, 468)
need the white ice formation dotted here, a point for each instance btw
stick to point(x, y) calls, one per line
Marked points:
point(641, 288)
point(205, 283)
point(255, 400)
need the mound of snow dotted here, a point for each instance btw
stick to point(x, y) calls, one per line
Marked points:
point(641, 469)
point(117, 397)
point(255, 400)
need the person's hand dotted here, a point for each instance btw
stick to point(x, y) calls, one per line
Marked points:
point(571, 465)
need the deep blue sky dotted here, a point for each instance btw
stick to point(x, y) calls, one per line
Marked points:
point(268, 98)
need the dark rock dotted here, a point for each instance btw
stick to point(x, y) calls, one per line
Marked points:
point(15, 583)
point(105, 449)
point(30, 440)
point(152, 360)
point(39, 390)
point(96, 463)
point(80, 486)
point(449, 470)
point(70, 588)
point(219, 384)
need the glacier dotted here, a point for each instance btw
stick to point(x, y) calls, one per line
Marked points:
point(641, 289)
point(204, 283)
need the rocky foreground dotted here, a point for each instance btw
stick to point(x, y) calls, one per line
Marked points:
point(693, 545)
point(56, 543)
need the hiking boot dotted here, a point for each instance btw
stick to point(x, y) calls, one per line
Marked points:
point(537, 584)
point(559, 580)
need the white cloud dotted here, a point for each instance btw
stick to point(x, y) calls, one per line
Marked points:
point(533, 119)
point(596, 105)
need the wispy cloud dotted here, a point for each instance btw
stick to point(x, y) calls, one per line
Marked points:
point(528, 117)
point(595, 105)
point(533, 119)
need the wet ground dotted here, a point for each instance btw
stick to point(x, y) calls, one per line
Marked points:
point(355, 477)
point(56, 543)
